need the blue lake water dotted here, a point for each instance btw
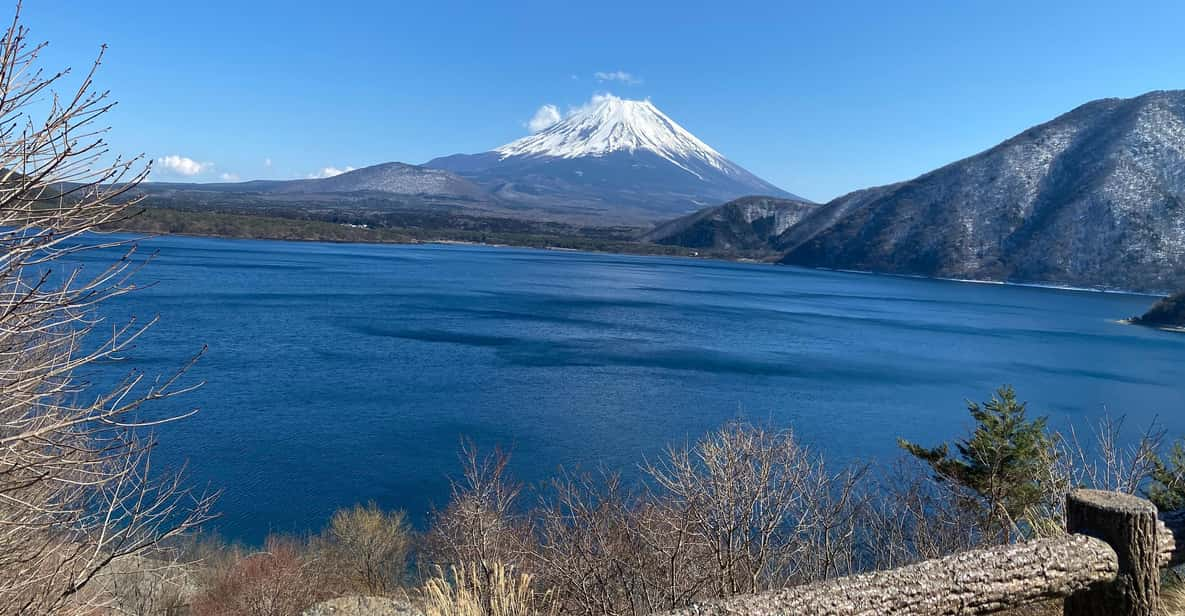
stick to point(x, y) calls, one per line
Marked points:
point(340, 373)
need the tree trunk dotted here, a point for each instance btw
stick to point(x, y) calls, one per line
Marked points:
point(1129, 525)
point(976, 582)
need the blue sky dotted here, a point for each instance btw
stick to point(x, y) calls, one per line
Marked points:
point(818, 99)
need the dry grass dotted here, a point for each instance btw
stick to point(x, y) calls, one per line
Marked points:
point(1173, 600)
point(483, 590)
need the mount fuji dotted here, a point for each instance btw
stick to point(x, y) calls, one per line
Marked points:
point(614, 159)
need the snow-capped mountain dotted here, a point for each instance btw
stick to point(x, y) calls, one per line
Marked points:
point(611, 124)
point(613, 158)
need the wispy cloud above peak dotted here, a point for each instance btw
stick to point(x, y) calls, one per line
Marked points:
point(596, 99)
point(618, 76)
point(544, 117)
point(548, 115)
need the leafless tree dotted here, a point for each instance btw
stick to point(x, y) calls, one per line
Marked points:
point(148, 587)
point(1110, 464)
point(603, 550)
point(78, 491)
point(912, 516)
point(765, 506)
point(1102, 461)
point(480, 526)
point(743, 509)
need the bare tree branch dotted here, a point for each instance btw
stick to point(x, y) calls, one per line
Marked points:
point(78, 491)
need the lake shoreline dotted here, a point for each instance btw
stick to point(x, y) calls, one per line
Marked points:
point(645, 253)
point(1175, 329)
point(355, 371)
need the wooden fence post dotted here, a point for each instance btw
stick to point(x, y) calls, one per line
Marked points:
point(1128, 524)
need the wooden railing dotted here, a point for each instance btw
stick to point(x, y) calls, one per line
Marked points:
point(1108, 564)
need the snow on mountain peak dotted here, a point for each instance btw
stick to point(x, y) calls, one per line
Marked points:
point(610, 124)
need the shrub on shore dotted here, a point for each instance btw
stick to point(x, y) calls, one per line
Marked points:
point(741, 510)
point(365, 550)
point(280, 580)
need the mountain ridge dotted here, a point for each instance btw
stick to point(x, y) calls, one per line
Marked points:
point(1094, 198)
point(747, 224)
point(1091, 197)
point(391, 177)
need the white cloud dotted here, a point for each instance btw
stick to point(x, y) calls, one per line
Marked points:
point(329, 172)
point(229, 177)
point(547, 115)
point(267, 162)
point(183, 165)
point(621, 76)
point(544, 117)
point(595, 100)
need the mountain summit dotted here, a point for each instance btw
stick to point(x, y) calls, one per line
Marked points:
point(610, 124)
point(612, 158)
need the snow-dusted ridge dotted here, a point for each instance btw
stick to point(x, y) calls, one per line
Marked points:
point(610, 124)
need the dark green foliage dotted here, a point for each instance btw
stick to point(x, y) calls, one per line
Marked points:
point(251, 226)
point(1168, 312)
point(1001, 461)
point(1167, 489)
point(388, 227)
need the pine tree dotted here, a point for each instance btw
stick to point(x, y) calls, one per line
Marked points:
point(1000, 461)
point(1167, 489)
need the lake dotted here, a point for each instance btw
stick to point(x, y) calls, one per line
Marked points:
point(341, 373)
